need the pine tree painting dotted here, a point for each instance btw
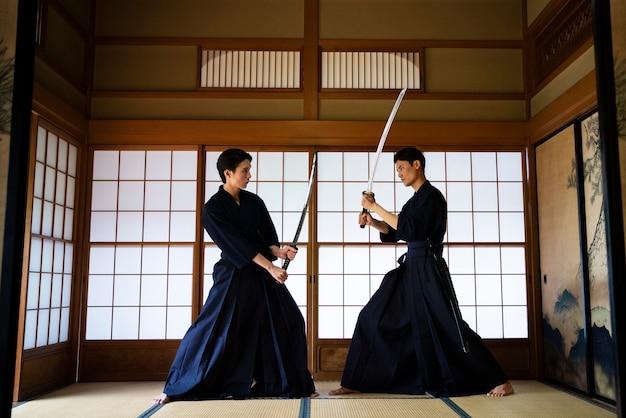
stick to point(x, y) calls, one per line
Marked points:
point(6, 89)
point(597, 275)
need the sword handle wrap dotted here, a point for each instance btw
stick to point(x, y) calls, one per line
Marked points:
point(369, 194)
point(287, 260)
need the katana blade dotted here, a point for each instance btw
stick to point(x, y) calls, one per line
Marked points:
point(383, 137)
point(381, 143)
point(304, 210)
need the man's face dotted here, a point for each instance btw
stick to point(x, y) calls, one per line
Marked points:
point(241, 176)
point(407, 172)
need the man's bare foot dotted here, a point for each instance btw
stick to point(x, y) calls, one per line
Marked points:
point(161, 399)
point(314, 395)
point(342, 391)
point(502, 390)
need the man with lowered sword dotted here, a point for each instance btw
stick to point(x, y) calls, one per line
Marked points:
point(249, 339)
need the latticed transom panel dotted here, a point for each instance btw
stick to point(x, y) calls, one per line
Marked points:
point(250, 69)
point(370, 70)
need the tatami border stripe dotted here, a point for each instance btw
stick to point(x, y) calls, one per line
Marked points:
point(150, 411)
point(455, 407)
point(305, 408)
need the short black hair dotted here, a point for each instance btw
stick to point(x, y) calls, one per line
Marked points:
point(230, 159)
point(410, 154)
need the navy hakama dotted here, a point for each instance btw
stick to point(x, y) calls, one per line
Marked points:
point(249, 338)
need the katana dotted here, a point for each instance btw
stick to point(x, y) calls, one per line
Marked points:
point(381, 143)
point(304, 210)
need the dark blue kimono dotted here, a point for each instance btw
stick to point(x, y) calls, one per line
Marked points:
point(250, 328)
point(406, 339)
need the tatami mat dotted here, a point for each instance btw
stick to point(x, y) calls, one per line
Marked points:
point(133, 399)
point(375, 405)
point(258, 408)
point(379, 408)
point(531, 399)
point(324, 386)
point(93, 400)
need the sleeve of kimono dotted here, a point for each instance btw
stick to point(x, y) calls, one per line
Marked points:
point(267, 230)
point(389, 236)
point(235, 247)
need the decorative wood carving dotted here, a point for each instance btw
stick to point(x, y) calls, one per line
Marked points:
point(557, 35)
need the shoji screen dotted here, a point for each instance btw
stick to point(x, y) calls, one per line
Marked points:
point(485, 242)
point(51, 244)
point(142, 234)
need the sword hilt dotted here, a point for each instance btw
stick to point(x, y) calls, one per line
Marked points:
point(287, 260)
point(368, 194)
